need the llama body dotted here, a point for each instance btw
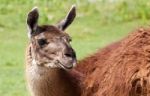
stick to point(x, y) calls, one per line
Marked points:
point(121, 69)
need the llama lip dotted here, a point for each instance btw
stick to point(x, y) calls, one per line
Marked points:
point(63, 66)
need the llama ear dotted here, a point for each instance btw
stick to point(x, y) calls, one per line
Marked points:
point(62, 25)
point(32, 20)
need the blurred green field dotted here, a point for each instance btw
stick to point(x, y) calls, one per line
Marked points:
point(98, 23)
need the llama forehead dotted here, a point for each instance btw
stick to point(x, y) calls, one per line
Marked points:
point(40, 36)
point(47, 31)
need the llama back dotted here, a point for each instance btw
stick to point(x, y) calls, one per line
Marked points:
point(88, 65)
point(122, 72)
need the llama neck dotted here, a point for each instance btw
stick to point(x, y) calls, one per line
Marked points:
point(53, 82)
point(44, 81)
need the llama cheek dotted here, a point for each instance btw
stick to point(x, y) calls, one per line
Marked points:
point(52, 46)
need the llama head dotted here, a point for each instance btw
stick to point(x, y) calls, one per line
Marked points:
point(50, 44)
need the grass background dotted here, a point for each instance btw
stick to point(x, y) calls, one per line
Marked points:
point(98, 23)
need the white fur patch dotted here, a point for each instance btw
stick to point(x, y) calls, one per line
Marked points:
point(34, 62)
point(29, 32)
point(40, 36)
point(51, 65)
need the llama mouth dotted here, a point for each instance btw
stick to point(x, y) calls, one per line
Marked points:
point(63, 66)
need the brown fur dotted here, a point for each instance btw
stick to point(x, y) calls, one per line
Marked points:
point(121, 69)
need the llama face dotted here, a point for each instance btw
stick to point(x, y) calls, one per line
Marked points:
point(50, 44)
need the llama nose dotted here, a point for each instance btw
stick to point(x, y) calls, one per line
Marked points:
point(70, 53)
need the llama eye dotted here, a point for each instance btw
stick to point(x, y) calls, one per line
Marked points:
point(70, 40)
point(42, 42)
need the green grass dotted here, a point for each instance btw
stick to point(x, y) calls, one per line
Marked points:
point(95, 27)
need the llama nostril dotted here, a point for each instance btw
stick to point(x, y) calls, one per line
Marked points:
point(68, 55)
point(69, 52)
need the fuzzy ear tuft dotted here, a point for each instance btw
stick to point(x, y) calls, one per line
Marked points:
point(62, 25)
point(32, 20)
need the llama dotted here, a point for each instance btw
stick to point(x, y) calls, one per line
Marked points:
point(49, 57)
point(120, 69)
